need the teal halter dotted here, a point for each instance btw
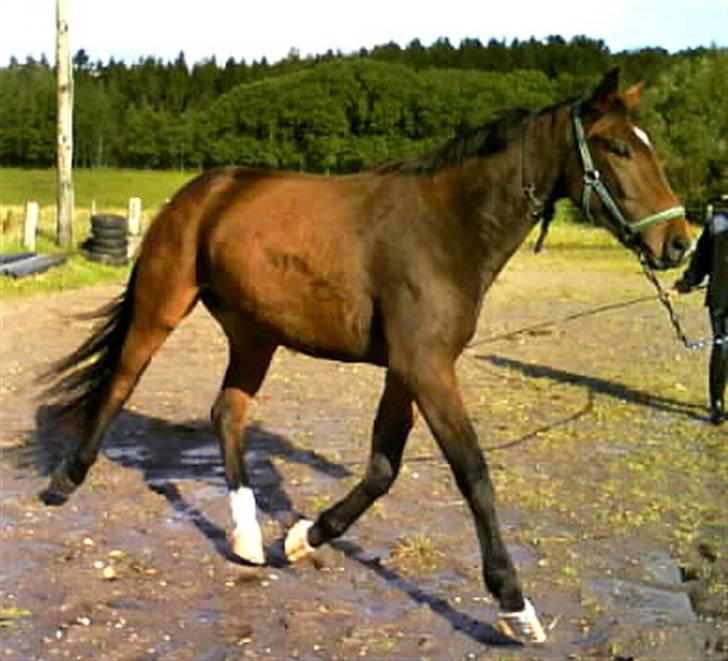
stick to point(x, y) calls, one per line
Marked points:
point(593, 184)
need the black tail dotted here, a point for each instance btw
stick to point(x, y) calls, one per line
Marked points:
point(79, 382)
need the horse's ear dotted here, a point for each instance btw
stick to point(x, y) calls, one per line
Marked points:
point(632, 96)
point(606, 92)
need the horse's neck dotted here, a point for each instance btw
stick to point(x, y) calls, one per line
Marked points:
point(504, 212)
point(544, 155)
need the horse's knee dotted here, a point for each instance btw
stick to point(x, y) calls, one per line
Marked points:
point(474, 469)
point(380, 476)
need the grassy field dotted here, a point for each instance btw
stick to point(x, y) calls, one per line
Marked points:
point(109, 189)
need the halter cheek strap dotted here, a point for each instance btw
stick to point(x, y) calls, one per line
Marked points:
point(593, 184)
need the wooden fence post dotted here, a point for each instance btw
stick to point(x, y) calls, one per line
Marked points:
point(134, 224)
point(32, 211)
point(135, 216)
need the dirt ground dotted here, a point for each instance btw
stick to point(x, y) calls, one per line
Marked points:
point(611, 489)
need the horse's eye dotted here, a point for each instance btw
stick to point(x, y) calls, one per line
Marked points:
point(618, 147)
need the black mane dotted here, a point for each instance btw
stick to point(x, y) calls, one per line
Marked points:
point(487, 139)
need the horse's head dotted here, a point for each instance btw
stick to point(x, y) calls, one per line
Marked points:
point(618, 179)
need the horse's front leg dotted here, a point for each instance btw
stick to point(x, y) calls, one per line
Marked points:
point(391, 427)
point(437, 395)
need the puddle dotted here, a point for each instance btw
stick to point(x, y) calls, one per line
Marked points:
point(661, 567)
point(521, 555)
point(129, 455)
point(640, 604)
point(450, 578)
point(387, 611)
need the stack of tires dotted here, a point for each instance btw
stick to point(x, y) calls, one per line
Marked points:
point(108, 242)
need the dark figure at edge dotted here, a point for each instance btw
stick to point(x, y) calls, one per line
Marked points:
point(711, 260)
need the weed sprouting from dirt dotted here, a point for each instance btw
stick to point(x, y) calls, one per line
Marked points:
point(417, 553)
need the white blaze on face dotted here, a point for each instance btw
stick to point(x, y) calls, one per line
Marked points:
point(642, 135)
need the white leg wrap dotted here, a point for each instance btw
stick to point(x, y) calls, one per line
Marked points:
point(296, 545)
point(246, 539)
point(522, 625)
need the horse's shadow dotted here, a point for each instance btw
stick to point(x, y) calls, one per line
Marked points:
point(168, 453)
point(593, 384)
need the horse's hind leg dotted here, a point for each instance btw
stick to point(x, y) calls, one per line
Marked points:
point(151, 323)
point(391, 428)
point(249, 361)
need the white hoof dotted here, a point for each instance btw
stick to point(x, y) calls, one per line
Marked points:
point(296, 545)
point(522, 625)
point(248, 546)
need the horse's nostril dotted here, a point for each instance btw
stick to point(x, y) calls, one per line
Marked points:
point(679, 245)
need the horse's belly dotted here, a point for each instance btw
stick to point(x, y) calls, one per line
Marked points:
point(309, 305)
point(319, 318)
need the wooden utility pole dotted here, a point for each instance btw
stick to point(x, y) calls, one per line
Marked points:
point(64, 123)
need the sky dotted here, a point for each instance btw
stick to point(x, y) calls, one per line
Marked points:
point(131, 29)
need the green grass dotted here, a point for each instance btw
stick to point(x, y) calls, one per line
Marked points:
point(75, 273)
point(108, 188)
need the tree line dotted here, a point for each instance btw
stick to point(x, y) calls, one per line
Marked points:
point(338, 113)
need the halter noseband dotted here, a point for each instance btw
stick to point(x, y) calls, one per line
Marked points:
point(593, 184)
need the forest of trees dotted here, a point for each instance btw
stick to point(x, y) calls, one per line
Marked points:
point(340, 113)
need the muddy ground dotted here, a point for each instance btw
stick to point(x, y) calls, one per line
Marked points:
point(611, 489)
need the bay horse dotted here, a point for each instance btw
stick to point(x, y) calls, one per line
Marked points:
point(389, 267)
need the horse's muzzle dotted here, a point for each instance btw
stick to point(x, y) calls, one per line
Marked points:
point(675, 251)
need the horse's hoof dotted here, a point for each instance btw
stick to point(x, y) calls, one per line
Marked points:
point(522, 625)
point(247, 547)
point(60, 488)
point(52, 498)
point(297, 546)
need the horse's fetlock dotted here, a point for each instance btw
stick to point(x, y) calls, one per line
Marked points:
point(61, 486)
point(326, 527)
point(504, 586)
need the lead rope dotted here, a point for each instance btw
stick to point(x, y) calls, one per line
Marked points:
point(674, 319)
